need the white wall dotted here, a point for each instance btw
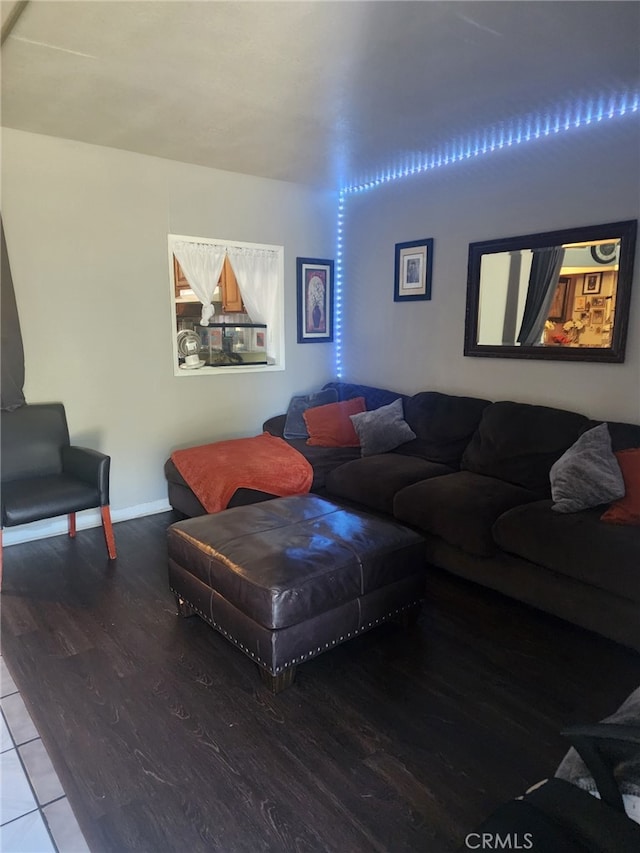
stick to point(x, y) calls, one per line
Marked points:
point(86, 230)
point(587, 176)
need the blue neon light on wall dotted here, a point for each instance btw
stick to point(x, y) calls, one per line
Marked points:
point(580, 114)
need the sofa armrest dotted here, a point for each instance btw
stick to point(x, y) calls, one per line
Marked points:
point(275, 425)
point(90, 466)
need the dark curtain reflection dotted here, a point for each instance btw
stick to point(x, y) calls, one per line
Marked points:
point(12, 353)
point(543, 280)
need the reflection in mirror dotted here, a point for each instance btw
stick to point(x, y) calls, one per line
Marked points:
point(560, 295)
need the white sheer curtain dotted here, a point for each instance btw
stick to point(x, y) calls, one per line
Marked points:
point(257, 274)
point(201, 264)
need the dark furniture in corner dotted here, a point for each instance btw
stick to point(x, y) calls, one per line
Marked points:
point(43, 475)
point(591, 804)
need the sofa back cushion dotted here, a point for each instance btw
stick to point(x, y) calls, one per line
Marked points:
point(443, 424)
point(623, 436)
point(519, 442)
point(575, 545)
point(373, 397)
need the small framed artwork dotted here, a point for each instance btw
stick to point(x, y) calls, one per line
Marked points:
point(315, 300)
point(414, 263)
point(592, 283)
point(557, 307)
point(597, 317)
point(598, 302)
point(581, 303)
point(215, 338)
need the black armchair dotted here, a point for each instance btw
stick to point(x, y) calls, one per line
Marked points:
point(44, 476)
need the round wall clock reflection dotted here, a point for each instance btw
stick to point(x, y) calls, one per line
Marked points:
point(604, 253)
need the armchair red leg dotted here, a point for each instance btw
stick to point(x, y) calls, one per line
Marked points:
point(72, 525)
point(108, 532)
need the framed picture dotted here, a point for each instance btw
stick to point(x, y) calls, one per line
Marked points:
point(597, 317)
point(557, 307)
point(598, 302)
point(315, 300)
point(215, 338)
point(414, 262)
point(592, 282)
point(581, 303)
point(259, 339)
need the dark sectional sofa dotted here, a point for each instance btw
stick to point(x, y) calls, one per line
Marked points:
point(475, 483)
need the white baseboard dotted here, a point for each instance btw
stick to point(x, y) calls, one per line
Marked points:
point(86, 518)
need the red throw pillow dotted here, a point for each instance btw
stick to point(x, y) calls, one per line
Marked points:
point(627, 509)
point(330, 425)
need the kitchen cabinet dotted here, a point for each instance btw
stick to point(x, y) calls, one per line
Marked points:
point(230, 295)
point(179, 280)
point(230, 292)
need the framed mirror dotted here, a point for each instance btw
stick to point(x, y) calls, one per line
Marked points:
point(561, 295)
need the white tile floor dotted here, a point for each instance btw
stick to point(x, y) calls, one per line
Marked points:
point(35, 815)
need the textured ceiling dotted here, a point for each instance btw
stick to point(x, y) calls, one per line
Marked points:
point(316, 92)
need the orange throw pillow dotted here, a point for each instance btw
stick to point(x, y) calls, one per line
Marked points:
point(330, 425)
point(627, 509)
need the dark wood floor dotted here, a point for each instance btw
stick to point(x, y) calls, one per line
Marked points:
point(165, 739)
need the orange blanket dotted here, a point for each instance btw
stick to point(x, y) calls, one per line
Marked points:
point(265, 462)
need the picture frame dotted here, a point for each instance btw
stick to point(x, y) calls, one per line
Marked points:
point(598, 302)
point(259, 340)
point(315, 300)
point(597, 317)
point(580, 304)
point(413, 270)
point(559, 302)
point(592, 283)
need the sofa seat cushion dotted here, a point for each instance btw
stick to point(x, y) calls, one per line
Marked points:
point(374, 480)
point(519, 442)
point(322, 460)
point(579, 545)
point(461, 508)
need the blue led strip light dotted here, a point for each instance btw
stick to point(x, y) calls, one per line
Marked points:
point(337, 309)
point(581, 114)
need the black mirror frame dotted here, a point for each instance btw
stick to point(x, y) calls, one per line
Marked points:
point(625, 231)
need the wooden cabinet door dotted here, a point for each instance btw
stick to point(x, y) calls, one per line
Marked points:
point(229, 290)
point(231, 296)
point(179, 279)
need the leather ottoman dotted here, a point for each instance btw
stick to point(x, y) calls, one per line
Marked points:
point(289, 578)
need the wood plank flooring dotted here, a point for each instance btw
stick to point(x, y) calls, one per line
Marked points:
point(165, 739)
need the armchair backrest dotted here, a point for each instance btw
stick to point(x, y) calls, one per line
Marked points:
point(32, 440)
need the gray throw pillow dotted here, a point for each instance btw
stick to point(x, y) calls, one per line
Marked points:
point(294, 426)
point(588, 474)
point(382, 429)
